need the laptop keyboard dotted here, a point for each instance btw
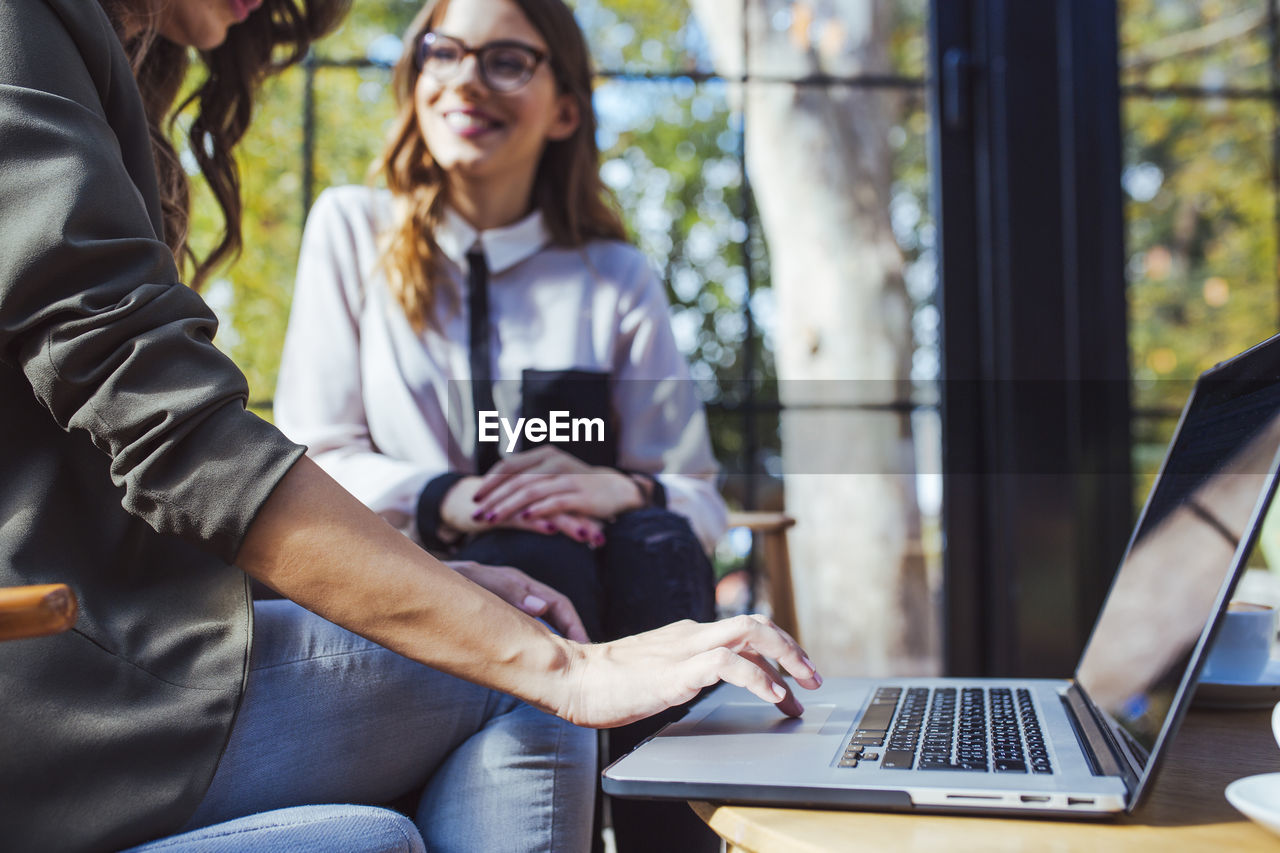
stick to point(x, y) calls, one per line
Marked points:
point(947, 728)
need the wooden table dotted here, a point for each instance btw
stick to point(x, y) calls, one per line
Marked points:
point(1185, 811)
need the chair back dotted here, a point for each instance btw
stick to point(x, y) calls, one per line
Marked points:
point(36, 611)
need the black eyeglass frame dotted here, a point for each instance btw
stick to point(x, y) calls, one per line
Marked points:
point(427, 39)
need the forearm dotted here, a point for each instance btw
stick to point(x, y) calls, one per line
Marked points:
point(389, 486)
point(316, 544)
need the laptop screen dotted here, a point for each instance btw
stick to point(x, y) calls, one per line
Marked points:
point(1196, 528)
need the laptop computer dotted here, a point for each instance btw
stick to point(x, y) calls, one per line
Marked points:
point(1085, 746)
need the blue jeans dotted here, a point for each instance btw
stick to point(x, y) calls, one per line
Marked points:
point(651, 571)
point(329, 717)
point(300, 829)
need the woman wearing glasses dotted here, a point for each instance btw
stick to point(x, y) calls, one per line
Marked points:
point(493, 276)
point(133, 472)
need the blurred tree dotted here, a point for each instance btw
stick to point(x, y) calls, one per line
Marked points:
point(821, 168)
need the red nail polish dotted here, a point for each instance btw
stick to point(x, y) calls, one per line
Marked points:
point(526, 514)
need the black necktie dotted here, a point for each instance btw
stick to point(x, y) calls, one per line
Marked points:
point(481, 373)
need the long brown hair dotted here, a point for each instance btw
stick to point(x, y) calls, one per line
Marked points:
point(567, 189)
point(274, 37)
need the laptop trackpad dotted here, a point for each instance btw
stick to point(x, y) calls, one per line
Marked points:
point(735, 718)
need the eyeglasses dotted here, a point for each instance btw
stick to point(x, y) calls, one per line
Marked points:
point(504, 65)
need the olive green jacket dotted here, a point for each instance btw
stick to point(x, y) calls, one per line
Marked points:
point(129, 467)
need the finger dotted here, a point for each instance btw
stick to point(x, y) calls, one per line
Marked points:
point(789, 705)
point(524, 495)
point(533, 605)
point(538, 599)
point(483, 505)
point(533, 525)
point(510, 466)
point(563, 615)
point(545, 461)
point(560, 613)
point(509, 486)
point(579, 528)
point(592, 529)
point(758, 633)
point(554, 459)
point(722, 664)
point(572, 502)
point(782, 647)
point(760, 617)
point(502, 472)
point(805, 662)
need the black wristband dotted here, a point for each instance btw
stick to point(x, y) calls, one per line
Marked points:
point(429, 504)
point(657, 493)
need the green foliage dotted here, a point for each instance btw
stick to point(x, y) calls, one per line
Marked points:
point(1203, 247)
point(252, 296)
point(1201, 200)
point(1194, 42)
point(1201, 206)
point(369, 21)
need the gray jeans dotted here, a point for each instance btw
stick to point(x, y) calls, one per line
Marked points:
point(329, 717)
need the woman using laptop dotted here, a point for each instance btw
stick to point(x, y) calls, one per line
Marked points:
point(134, 473)
point(494, 272)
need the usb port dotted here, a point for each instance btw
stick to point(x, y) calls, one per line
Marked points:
point(1079, 801)
point(1026, 798)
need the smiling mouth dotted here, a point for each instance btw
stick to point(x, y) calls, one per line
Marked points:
point(241, 9)
point(470, 123)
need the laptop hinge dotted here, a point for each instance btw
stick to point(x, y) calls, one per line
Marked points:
point(1103, 753)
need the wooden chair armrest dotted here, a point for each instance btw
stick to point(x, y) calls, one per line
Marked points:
point(772, 528)
point(762, 522)
point(36, 611)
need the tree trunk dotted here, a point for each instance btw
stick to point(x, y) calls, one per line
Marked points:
point(820, 166)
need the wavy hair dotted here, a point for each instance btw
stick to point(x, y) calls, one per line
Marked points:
point(567, 189)
point(274, 37)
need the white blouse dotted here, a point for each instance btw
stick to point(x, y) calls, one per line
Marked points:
point(371, 398)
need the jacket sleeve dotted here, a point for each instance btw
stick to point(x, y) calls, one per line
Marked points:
point(320, 396)
point(91, 310)
point(664, 425)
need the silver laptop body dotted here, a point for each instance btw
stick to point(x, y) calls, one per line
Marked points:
point(1087, 746)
